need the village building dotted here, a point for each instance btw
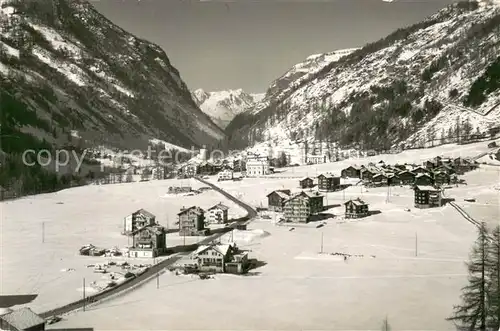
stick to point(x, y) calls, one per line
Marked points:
point(328, 182)
point(189, 170)
point(206, 169)
point(179, 189)
point(427, 196)
point(441, 178)
point(419, 170)
point(447, 168)
point(239, 165)
point(276, 200)
point(429, 165)
point(393, 180)
point(220, 259)
point(306, 182)
point(225, 174)
point(218, 214)
point(351, 172)
point(300, 207)
point(423, 179)
point(356, 208)
point(23, 319)
point(192, 221)
point(367, 173)
point(407, 177)
point(380, 180)
point(257, 166)
point(400, 167)
point(316, 159)
point(437, 161)
point(158, 173)
point(137, 220)
point(149, 241)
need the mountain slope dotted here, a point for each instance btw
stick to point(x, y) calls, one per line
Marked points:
point(408, 88)
point(70, 68)
point(223, 106)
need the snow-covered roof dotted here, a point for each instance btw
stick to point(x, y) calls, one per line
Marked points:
point(23, 319)
point(280, 193)
point(223, 249)
point(219, 206)
point(144, 212)
point(357, 202)
point(422, 175)
point(426, 188)
point(196, 208)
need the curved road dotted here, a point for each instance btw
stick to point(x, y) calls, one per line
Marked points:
point(155, 269)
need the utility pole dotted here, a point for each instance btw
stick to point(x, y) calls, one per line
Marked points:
point(321, 252)
point(416, 244)
point(157, 280)
point(43, 232)
point(84, 294)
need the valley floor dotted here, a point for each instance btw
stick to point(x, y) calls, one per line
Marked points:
point(407, 265)
point(41, 235)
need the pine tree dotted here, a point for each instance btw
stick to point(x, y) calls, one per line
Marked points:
point(471, 314)
point(385, 325)
point(493, 276)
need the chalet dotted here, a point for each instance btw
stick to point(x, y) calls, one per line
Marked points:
point(149, 241)
point(22, 319)
point(400, 167)
point(419, 170)
point(191, 221)
point(225, 174)
point(206, 168)
point(257, 166)
point(367, 174)
point(423, 179)
point(306, 182)
point(316, 159)
point(328, 182)
point(300, 207)
point(407, 177)
point(179, 189)
point(220, 258)
point(137, 220)
point(393, 180)
point(427, 196)
point(380, 180)
point(437, 161)
point(189, 170)
point(351, 171)
point(356, 208)
point(441, 178)
point(218, 214)
point(446, 168)
point(429, 165)
point(276, 199)
point(239, 166)
point(158, 173)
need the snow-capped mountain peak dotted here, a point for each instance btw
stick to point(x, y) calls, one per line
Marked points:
point(223, 106)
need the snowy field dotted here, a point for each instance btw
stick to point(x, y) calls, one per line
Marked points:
point(407, 264)
point(298, 288)
point(41, 235)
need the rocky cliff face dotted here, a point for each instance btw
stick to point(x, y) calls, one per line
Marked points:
point(223, 106)
point(64, 66)
point(424, 84)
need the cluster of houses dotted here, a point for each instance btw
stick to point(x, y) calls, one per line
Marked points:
point(303, 206)
point(436, 172)
point(149, 238)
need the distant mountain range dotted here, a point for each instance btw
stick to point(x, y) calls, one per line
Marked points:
point(421, 85)
point(223, 106)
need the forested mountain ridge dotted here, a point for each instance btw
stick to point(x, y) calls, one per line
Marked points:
point(421, 83)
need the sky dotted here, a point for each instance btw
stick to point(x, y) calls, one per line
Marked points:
point(247, 44)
